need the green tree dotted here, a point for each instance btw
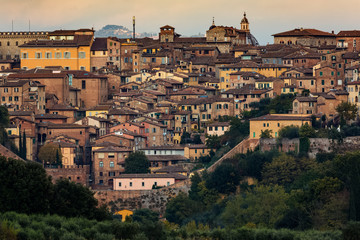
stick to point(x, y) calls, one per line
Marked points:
point(284, 169)
point(25, 187)
point(347, 169)
point(74, 200)
point(197, 139)
point(213, 141)
point(47, 154)
point(185, 138)
point(24, 149)
point(307, 131)
point(289, 132)
point(266, 133)
point(347, 111)
point(7, 231)
point(180, 208)
point(224, 179)
point(137, 162)
point(195, 189)
point(263, 206)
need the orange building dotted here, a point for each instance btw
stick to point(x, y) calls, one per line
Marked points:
point(67, 48)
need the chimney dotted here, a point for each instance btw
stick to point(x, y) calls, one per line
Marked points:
point(332, 31)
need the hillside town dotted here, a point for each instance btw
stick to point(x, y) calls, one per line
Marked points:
point(100, 100)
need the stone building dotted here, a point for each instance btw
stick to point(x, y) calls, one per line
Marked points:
point(231, 34)
point(305, 37)
point(10, 42)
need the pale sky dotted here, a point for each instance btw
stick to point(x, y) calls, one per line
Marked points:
point(189, 17)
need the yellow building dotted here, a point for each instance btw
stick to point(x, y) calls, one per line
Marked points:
point(274, 122)
point(195, 151)
point(100, 111)
point(68, 49)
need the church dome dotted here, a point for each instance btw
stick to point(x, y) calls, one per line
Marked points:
point(213, 24)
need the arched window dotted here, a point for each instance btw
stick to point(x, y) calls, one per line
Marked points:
point(101, 164)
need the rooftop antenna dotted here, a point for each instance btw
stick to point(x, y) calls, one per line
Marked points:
point(134, 28)
point(29, 25)
point(12, 25)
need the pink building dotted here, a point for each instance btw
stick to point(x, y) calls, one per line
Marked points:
point(145, 181)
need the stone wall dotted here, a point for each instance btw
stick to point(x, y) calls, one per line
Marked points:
point(78, 174)
point(155, 199)
point(317, 145)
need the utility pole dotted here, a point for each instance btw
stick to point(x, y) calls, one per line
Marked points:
point(134, 28)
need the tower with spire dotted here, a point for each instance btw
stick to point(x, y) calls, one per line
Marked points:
point(245, 24)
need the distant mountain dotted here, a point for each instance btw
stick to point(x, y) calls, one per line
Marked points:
point(120, 32)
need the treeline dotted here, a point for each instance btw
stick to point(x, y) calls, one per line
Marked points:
point(144, 225)
point(25, 188)
point(274, 190)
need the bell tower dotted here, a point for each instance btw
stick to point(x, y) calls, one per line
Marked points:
point(245, 24)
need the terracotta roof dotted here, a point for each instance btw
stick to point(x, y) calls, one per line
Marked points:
point(304, 32)
point(20, 113)
point(173, 175)
point(113, 149)
point(106, 144)
point(165, 147)
point(19, 83)
point(281, 117)
point(171, 169)
point(99, 44)
point(306, 99)
point(196, 146)
point(8, 153)
point(62, 107)
point(79, 40)
point(189, 91)
point(36, 75)
point(156, 158)
point(50, 116)
point(349, 33)
point(214, 124)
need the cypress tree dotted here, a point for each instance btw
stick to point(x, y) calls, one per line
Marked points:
point(20, 145)
point(24, 152)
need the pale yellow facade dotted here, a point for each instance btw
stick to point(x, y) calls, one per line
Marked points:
point(275, 122)
point(70, 58)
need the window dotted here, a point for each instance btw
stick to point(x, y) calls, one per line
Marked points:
point(312, 82)
point(25, 55)
point(321, 73)
point(82, 68)
point(82, 55)
point(154, 130)
point(112, 164)
point(16, 98)
point(58, 55)
point(48, 55)
point(153, 60)
point(111, 174)
point(16, 89)
point(10, 98)
point(101, 164)
point(322, 82)
point(126, 60)
point(38, 55)
point(130, 184)
point(83, 84)
point(67, 55)
point(119, 184)
point(143, 184)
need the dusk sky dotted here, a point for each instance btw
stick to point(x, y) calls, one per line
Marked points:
point(189, 17)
